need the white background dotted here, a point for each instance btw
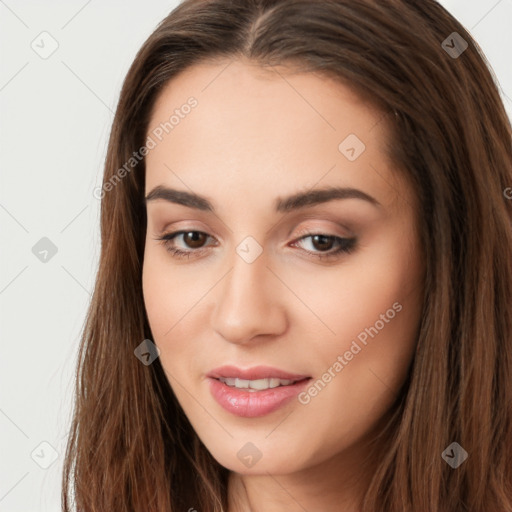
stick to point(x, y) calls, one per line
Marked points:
point(55, 119)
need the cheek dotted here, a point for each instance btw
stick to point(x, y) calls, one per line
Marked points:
point(172, 298)
point(360, 375)
point(158, 297)
point(376, 314)
point(169, 292)
point(345, 299)
point(162, 302)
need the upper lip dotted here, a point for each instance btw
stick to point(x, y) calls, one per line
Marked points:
point(254, 373)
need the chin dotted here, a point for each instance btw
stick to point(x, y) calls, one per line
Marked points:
point(245, 458)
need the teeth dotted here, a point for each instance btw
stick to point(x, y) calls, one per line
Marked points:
point(241, 383)
point(257, 385)
point(273, 383)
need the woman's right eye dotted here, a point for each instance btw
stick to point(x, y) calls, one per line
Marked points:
point(193, 239)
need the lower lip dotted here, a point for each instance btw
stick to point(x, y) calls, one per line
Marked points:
point(251, 404)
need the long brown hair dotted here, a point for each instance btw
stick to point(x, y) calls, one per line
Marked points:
point(132, 448)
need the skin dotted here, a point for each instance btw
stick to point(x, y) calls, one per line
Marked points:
point(257, 135)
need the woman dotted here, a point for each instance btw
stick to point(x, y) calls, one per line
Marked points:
point(303, 298)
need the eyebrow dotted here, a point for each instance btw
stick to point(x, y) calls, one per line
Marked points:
point(287, 204)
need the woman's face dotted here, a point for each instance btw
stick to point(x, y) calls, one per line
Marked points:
point(283, 278)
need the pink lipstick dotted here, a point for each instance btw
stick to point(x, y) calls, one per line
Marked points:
point(254, 391)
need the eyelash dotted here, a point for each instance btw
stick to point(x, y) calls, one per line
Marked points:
point(345, 245)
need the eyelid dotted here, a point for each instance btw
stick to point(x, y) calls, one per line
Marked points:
point(320, 230)
point(175, 233)
point(308, 231)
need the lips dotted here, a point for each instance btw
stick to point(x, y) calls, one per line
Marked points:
point(250, 403)
point(254, 373)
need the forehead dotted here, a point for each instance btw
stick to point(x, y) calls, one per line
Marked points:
point(256, 129)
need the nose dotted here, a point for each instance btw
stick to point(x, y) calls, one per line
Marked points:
point(249, 302)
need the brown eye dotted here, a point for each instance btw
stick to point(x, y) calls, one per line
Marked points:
point(326, 246)
point(194, 239)
point(184, 244)
point(322, 242)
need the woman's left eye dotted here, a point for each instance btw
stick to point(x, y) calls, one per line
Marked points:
point(322, 244)
point(325, 244)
